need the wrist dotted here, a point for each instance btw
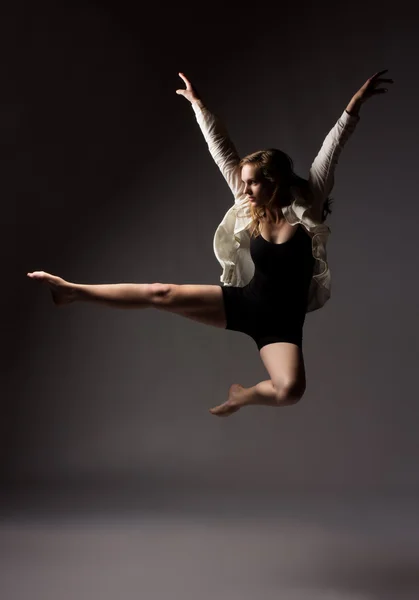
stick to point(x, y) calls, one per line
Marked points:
point(354, 106)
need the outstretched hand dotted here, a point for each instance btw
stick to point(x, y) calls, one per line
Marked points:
point(190, 93)
point(370, 88)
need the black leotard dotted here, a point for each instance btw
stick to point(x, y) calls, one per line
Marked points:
point(272, 306)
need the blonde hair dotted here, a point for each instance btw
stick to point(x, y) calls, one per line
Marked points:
point(277, 169)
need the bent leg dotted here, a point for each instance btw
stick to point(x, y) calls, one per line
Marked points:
point(285, 364)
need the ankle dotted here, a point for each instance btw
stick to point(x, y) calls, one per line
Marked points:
point(262, 393)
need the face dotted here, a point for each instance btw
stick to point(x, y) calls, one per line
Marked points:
point(256, 188)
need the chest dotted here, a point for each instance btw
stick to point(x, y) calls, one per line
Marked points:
point(278, 233)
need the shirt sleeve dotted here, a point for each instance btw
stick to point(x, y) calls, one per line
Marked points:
point(321, 176)
point(221, 149)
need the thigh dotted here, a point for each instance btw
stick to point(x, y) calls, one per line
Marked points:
point(203, 303)
point(285, 364)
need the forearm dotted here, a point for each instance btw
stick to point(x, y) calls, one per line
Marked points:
point(354, 106)
point(220, 147)
point(199, 103)
point(321, 176)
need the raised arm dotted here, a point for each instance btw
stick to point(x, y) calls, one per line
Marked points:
point(321, 176)
point(220, 146)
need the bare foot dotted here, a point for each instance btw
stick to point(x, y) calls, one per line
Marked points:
point(62, 291)
point(233, 404)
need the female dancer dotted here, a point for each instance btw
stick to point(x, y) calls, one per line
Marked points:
point(271, 245)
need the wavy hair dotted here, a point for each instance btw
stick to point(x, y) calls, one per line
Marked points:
point(277, 168)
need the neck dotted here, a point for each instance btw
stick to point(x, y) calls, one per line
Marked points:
point(276, 217)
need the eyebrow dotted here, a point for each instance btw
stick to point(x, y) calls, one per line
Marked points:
point(250, 179)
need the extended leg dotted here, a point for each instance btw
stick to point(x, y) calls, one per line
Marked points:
point(203, 303)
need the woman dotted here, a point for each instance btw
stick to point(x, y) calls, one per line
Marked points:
point(271, 245)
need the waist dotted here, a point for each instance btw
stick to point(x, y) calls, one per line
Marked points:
point(292, 287)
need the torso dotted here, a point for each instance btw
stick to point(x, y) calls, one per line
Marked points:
point(283, 260)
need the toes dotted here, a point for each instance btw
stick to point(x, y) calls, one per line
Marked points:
point(216, 410)
point(44, 276)
point(224, 410)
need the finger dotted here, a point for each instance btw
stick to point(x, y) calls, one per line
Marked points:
point(182, 76)
point(379, 73)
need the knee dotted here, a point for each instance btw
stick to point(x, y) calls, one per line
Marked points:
point(290, 391)
point(161, 293)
